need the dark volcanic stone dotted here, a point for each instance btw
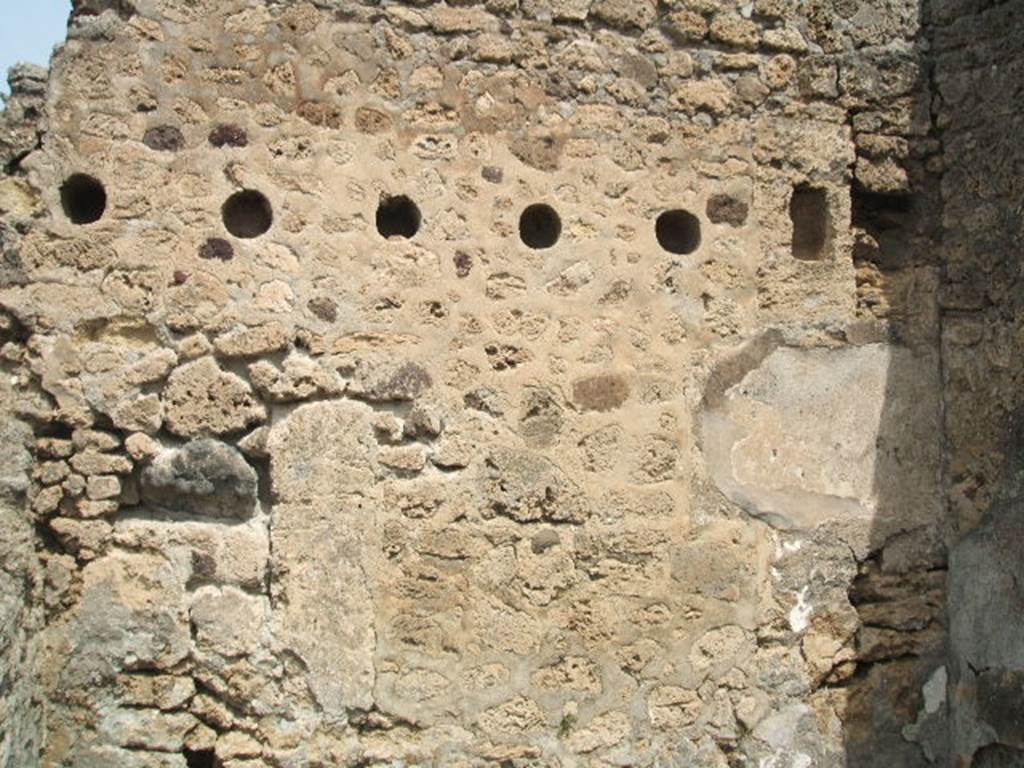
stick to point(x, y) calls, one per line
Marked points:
point(164, 138)
point(726, 209)
point(229, 135)
point(324, 308)
point(217, 248)
point(204, 477)
point(463, 263)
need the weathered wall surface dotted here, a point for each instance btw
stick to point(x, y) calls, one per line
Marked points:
point(603, 487)
point(979, 64)
point(21, 609)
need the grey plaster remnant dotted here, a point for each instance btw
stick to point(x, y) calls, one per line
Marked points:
point(204, 477)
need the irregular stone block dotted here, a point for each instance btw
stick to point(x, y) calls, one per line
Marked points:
point(251, 342)
point(325, 543)
point(527, 488)
point(204, 477)
point(404, 459)
point(299, 378)
point(625, 14)
point(91, 462)
point(147, 729)
point(382, 381)
point(988, 657)
point(227, 621)
point(796, 441)
point(140, 414)
point(513, 719)
point(201, 398)
point(603, 392)
point(87, 508)
point(670, 707)
point(575, 673)
point(166, 692)
point(141, 446)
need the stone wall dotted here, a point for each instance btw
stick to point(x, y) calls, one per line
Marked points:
point(505, 383)
point(979, 62)
point(21, 609)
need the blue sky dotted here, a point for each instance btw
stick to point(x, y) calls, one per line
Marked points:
point(28, 31)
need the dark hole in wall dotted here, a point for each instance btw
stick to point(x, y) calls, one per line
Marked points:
point(678, 231)
point(877, 211)
point(247, 214)
point(398, 217)
point(200, 758)
point(539, 226)
point(83, 198)
point(808, 210)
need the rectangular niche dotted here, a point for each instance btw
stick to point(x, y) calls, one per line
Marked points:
point(812, 224)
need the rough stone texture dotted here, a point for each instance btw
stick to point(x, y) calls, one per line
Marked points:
point(325, 536)
point(320, 497)
point(21, 615)
point(200, 398)
point(203, 477)
point(788, 443)
point(978, 62)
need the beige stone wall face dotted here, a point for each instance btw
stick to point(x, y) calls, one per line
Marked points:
point(324, 498)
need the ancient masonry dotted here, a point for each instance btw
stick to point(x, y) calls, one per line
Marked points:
point(626, 383)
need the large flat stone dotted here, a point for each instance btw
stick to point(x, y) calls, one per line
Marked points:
point(323, 535)
point(809, 435)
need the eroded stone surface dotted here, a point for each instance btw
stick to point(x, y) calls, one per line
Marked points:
point(282, 491)
point(325, 534)
point(811, 435)
point(204, 477)
point(200, 399)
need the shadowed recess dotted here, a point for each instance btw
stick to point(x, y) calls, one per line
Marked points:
point(200, 758)
point(398, 216)
point(539, 226)
point(247, 214)
point(678, 231)
point(808, 210)
point(83, 198)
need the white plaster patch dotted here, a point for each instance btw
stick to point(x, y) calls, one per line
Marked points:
point(935, 690)
point(778, 760)
point(783, 548)
point(801, 612)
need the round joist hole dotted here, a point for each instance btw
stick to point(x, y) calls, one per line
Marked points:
point(247, 214)
point(83, 198)
point(398, 216)
point(678, 231)
point(539, 226)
